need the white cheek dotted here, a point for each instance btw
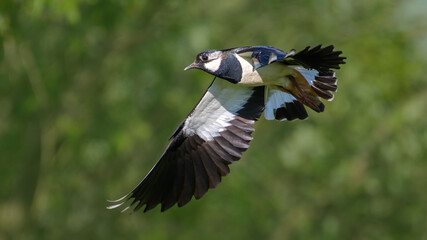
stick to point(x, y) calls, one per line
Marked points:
point(213, 65)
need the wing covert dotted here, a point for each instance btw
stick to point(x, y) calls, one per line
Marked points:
point(263, 55)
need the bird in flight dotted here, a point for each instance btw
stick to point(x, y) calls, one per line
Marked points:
point(248, 81)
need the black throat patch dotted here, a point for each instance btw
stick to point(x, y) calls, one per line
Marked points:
point(230, 69)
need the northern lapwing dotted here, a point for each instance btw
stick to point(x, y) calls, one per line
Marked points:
point(248, 81)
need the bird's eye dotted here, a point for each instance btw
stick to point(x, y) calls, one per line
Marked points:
point(204, 58)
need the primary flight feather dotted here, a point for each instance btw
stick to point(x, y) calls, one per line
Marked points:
point(248, 81)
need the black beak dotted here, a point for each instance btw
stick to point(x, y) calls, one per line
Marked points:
point(193, 65)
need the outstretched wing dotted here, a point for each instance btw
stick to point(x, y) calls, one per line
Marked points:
point(323, 59)
point(214, 135)
point(283, 106)
point(319, 58)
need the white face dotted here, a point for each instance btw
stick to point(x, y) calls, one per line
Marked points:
point(211, 60)
point(213, 65)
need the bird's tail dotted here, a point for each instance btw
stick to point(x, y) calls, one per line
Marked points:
point(308, 87)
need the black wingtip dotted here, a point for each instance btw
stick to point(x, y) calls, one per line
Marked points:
point(321, 107)
point(291, 111)
point(320, 58)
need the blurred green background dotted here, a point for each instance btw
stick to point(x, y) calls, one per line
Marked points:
point(91, 90)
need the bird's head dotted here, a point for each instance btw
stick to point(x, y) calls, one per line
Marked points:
point(220, 63)
point(208, 61)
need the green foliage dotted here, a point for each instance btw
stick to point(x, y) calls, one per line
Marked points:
point(90, 91)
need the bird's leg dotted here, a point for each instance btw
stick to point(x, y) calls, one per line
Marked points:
point(302, 96)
